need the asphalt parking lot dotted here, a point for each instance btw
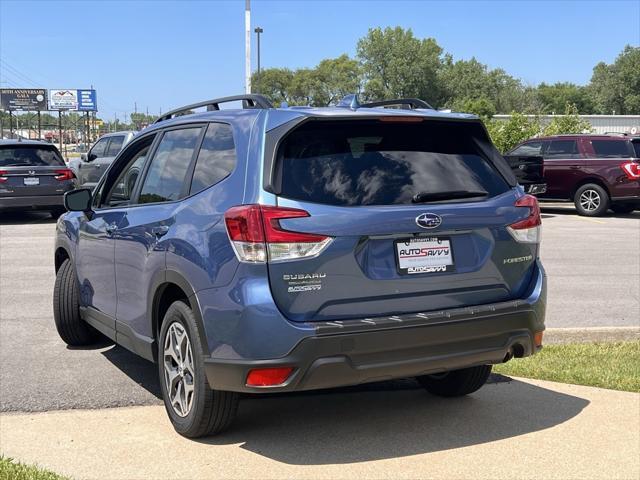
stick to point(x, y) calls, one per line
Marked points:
point(593, 266)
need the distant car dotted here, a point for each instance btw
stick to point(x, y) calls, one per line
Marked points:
point(596, 172)
point(33, 176)
point(90, 166)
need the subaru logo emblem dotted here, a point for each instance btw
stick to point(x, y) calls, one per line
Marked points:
point(428, 220)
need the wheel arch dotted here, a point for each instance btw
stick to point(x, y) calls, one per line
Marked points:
point(59, 257)
point(596, 180)
point(172, 288)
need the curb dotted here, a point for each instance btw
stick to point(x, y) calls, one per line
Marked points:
point(554, 336)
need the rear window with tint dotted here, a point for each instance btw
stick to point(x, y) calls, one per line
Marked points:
point(29, 156)
point(370, 162)
point(610, 148)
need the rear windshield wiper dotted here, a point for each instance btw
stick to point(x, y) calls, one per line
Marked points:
point(422, 197)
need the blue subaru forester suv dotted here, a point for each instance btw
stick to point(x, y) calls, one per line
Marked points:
point(264, 249)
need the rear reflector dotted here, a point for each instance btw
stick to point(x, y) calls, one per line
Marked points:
point(529, 229)
point(631, 170)
point(268, 377)
point(256, 234)
point(2, 177)
point(537, 339)
point(64, 174)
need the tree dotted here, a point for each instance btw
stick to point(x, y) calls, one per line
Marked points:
point(396, 64)
point(274, 83)
point(506, 134)
point(554, 98)
point(616, 87)
point(570, 122)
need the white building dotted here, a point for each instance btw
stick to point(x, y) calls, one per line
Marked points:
point(600, 123)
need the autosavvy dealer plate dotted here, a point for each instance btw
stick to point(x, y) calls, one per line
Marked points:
point(29, 181)
point(424, 255)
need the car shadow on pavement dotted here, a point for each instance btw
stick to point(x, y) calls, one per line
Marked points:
point(139, 370)
point(347, 426)
point(21, 218)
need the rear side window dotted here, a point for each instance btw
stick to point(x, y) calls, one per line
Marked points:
point(562, 148)
point(610, 148)
point(636, 148)
point(29, 156)
point(166, 175)
point(370, 162)
point(115, 145)
point(217, 157)
point(528, 149)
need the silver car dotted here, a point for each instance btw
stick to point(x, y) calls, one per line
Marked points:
point(92, 165)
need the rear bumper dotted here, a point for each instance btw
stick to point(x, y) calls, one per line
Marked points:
point(361, 351)
point(34, 202)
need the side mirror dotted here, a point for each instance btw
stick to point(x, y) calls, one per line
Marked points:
point(83, 157)
point(91, 157)
point(78, 200)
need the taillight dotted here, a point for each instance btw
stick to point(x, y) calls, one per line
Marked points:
point(2, 176)
point(64, 174)
point(256, 234)
point(631, 170)
point(529, 229)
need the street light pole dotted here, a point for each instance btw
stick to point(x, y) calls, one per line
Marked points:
point(258, 31)
point(247, 46)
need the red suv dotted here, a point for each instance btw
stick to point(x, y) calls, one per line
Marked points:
point(596, 172)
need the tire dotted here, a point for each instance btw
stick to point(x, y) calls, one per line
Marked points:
point(623, 208)
point(71, 327)
point(456, 382)
point(203, 411)
point(591, 200)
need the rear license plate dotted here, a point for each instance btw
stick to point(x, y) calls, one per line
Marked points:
point(424, 255)
point(29, 181)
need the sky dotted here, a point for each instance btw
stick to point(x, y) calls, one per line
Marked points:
point(159, 55)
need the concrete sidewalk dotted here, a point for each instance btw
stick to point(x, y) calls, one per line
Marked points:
point(520, 429)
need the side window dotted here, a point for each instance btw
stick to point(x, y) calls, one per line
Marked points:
point(121, 191)
point(165, 177)
point(115, 145)
point(562, 149)
point(528, 149)
point(99, 148)
point(216, 159)
point(610, 148)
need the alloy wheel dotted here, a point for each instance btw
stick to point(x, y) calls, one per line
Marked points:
point(590, 200)
point(178, 369)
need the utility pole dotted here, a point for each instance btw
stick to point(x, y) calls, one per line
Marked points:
point(247, 46)
point(258, 31)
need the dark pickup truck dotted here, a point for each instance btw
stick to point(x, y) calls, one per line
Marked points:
point(529, 170)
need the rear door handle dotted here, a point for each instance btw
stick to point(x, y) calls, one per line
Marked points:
point(160, 230)
point(574, 167)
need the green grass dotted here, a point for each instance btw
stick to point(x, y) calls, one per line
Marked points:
point(614, 365)
point(12, 470)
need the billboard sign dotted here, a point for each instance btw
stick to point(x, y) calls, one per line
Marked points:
point(23, 99)
point(72, 99)
point(87, 100)
point(63, 99)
